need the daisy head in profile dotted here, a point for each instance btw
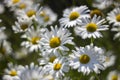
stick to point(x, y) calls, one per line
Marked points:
point(33, 38)
point(113, 75)
point(90, 27)
point(72, 17)
point(55, 40)
point(87, 59)
point(5, 49)
point(114, 17)
point(58, 68)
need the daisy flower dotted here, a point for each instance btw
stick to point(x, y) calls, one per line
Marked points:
point(116, 29)
point(87, 59)
point(33, 36)
point(109, 59)
point(96, 12)
point(21, 53)
point(22, 24)
point(12, 72)
point(46, 58)
point(24, 4)
point(58, 68)
point(10, 3)
point(32, 72)
point(55, 40)
point(2, 8)
point(3, 36)
point(72, 16)
point(113, 75)
point(90, 27)
point(114, 17)
point(102, 4)
point(5, 48)
point(30, 12)
point(46, 16)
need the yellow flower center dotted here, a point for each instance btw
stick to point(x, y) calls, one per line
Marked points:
point(55, 42)
point(84, 59)
point(95, 12)
point(15, 1)
point(73, 15)
point(118, 17)
point(107, 59)
point(2, 50)
point(42, 13)
point(24, 26)
point(91, 27)
point(22, 6)
point(114, 77)
point(13, 73)
point(35, 40)
point(52, 58)
point(46, 18)
point(57, 66)
point(30, 13)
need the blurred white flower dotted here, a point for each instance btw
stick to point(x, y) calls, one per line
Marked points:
point(5, 48)
point(109, 59)
point(32, 72)
point(113, 75)
point(116, 29)
point(12, 72)
point(46, 16)
point(22, 25)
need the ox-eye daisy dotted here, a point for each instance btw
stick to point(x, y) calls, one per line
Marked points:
point(22, 25)
point(33, 37)
point(113, 75)
point(116, 29)
point(46, 16)
point(102, 4)
point(13, 72)
point(72, 16)
point(114, 17)
point(32, 72)
point(56, 39)
point(87, 59)
point(3, 36)
point(58, 68)
point(5, 49)
point(30, 11)
point(109, 59)
point(90, 27)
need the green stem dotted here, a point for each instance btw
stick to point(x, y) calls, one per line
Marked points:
point(92, 40)
point(34, 24)
point(96, 76)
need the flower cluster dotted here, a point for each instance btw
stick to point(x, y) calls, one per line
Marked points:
point(58, 56)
